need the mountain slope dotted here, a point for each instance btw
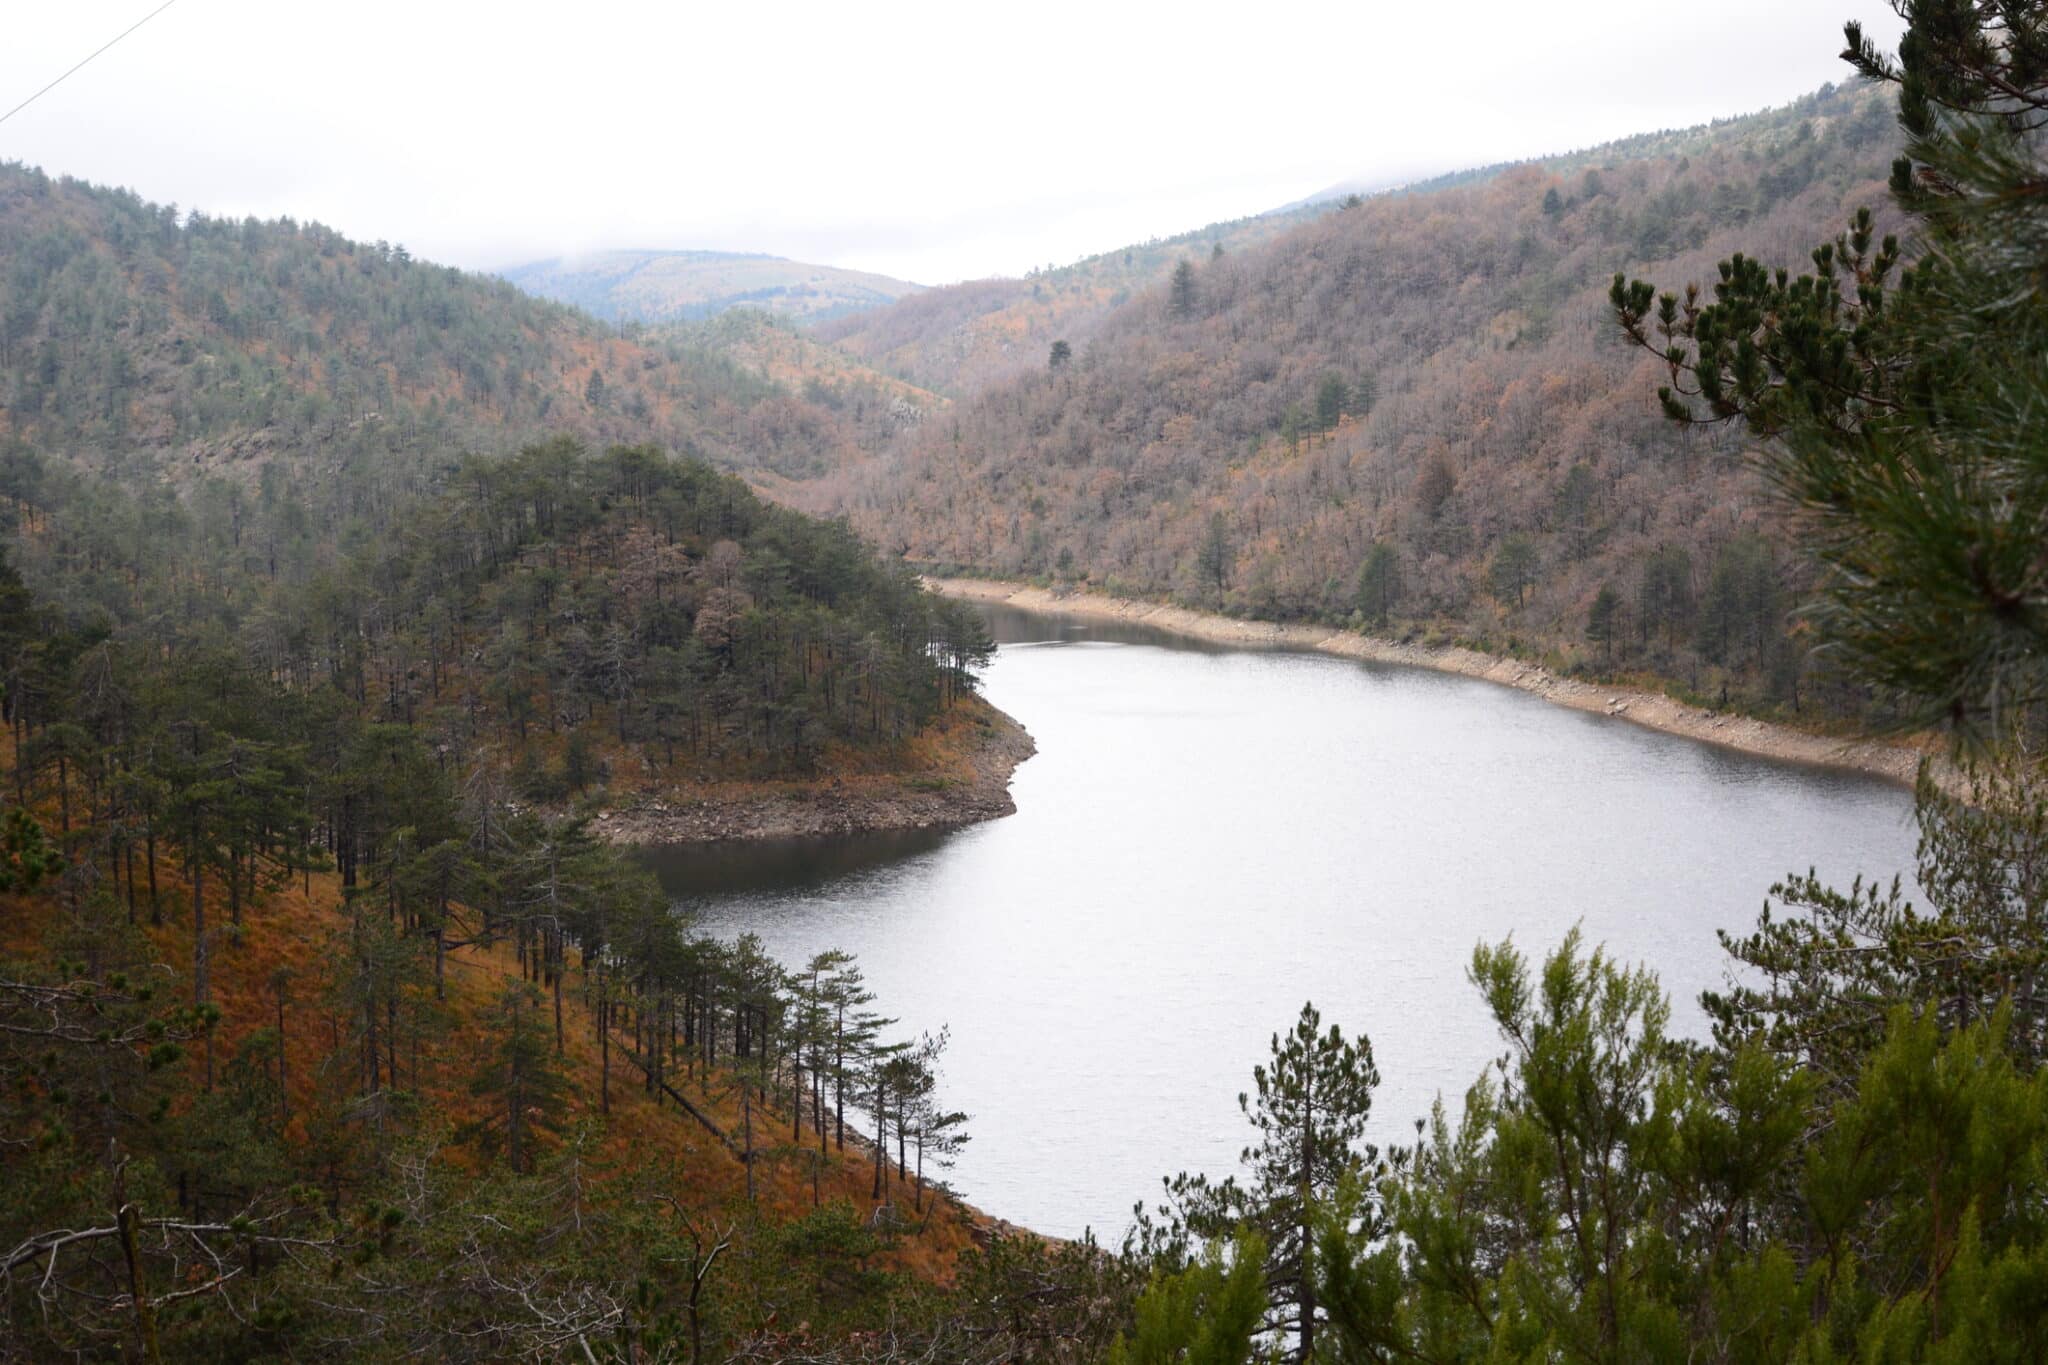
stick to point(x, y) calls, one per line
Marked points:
point(961, 338)
point(136, 342)
point(688, 286)
point(1414, 410)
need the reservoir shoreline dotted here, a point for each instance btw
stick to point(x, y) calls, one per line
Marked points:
point(1893, 762)
point(974, 788)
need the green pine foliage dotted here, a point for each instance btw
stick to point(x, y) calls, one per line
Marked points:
point(1898, 384)
point(1207, 1314)
point(522, 1079)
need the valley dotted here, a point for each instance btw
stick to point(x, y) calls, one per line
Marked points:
point(1450, 771)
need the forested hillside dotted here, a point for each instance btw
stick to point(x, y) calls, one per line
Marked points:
point(689, 286)
point(571, 622)
point(311, 958)
point(1415, 413)
point(317, 1035)
point(148, 343)
point(964, 337)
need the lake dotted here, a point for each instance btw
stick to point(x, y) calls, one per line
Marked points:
point(1208, 837)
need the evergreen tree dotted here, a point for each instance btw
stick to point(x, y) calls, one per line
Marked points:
point(1365, 394)
point(1180, 298)
point(1309, 1105)
point(1738, 614)
point(1603, 620)
point(522, 1079)
point(1207, 1314)
point(1575, 501)
point(1664, 597)
point(1513, 569)
point(26, 857)
point(1215, 556)
point(1331, 396)
point(1379, 584)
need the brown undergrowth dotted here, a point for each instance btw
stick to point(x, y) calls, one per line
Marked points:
point(279, 964)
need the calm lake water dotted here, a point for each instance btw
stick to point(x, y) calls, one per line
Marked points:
point(1208, 837)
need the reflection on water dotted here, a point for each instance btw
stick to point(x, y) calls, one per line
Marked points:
point(1208, 837)
point(692, 871)
point(1015, 626)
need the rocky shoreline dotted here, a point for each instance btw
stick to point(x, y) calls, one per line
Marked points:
point(1891, 761)
point(704, 813)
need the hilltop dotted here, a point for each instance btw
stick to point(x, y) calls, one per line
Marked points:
point(689, 286)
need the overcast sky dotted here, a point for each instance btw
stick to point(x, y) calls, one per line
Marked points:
point(935, 142)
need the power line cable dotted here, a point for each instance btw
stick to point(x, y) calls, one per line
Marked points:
point(88, 57)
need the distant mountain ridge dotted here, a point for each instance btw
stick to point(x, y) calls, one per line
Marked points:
point(689, 286)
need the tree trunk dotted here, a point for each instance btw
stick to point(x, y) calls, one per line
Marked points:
point(199, 982)
point(284, 1094)
point(747, 1136)
point(881, 1136)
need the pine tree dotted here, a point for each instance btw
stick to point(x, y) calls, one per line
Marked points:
point(1513, 569)
point(1214, 557)
point(1664, 597)
point(522, 1078)
point(1309, 1104)
point(1379, 584)
point(1603, 620)
point(1331, 396)
point(1365, 394)
point(1180, 300)
point(1207, 1314)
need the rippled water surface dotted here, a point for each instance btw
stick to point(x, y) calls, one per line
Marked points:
point(1207, 838)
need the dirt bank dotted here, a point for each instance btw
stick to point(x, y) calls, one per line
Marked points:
point(1893, 761)
point(976, 787)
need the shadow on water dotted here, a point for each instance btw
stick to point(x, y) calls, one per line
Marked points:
point(1016, 626)
point(728, 867)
